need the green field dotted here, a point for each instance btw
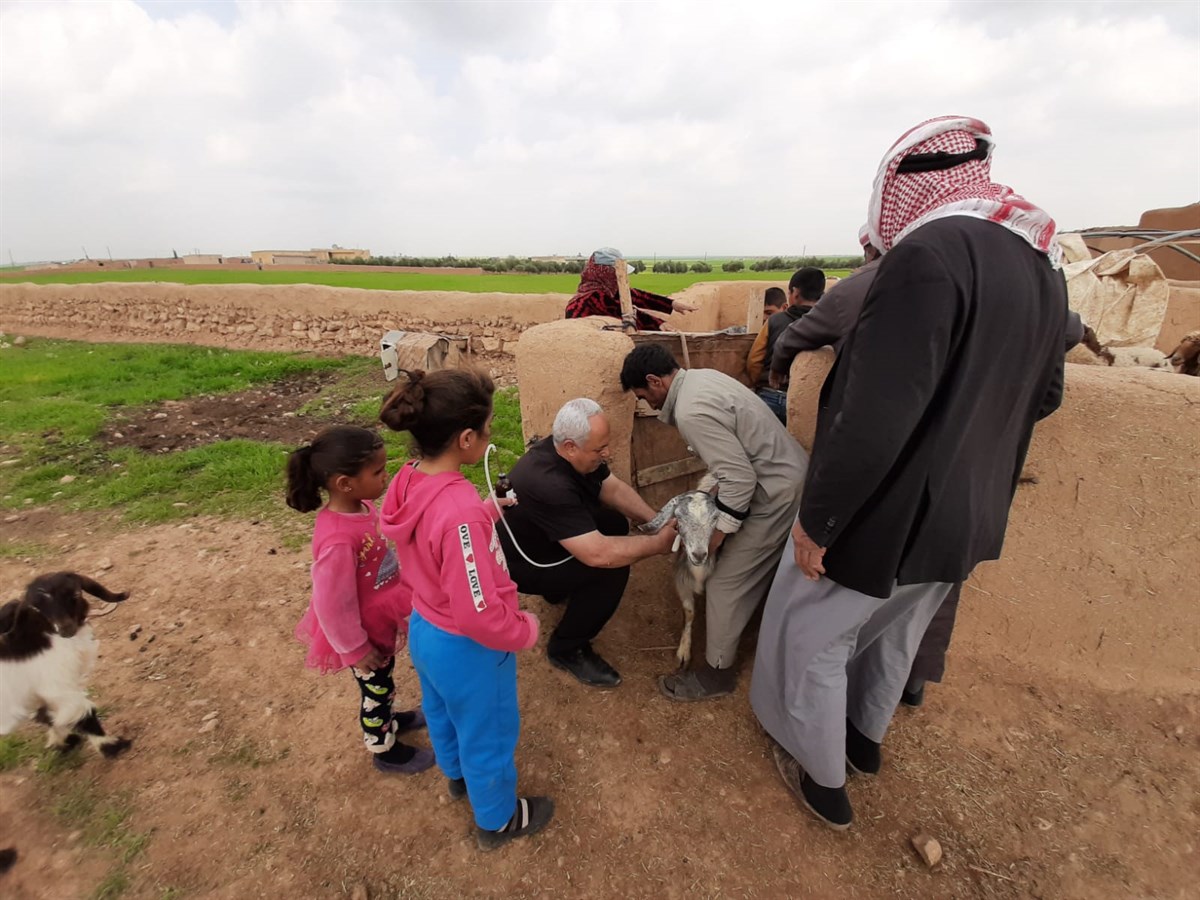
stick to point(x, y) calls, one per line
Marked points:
point(56, 397)
point(397, 281)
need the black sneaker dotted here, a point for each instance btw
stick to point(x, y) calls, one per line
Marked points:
point(532, 815)
point(830, 805)
point(398, 760)
point(586, 665)
point(913, 698)
point(862, 753)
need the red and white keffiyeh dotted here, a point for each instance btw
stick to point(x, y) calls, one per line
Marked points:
point(902, 202)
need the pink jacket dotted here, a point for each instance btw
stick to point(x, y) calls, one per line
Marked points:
point(451, 558)
point(358, 599)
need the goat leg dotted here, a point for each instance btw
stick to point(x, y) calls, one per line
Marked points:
point(65, 712)
point(109, 745)
point(685, 586)
point(684, 653)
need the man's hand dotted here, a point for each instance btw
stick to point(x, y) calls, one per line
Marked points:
point(370, 661)
point(665, 539)
point(715, 542)
point(682, 306)
point(809, 557)
point(775, 380)
point(504, 502)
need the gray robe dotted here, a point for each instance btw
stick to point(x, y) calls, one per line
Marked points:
point(760, 471)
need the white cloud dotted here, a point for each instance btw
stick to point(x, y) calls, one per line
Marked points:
point(480, 128)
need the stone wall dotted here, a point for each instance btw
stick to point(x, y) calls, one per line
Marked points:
point(313, 317)
point(270, 317)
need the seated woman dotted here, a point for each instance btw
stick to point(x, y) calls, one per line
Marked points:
point(597, 294)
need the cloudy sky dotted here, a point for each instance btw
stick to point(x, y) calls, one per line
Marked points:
point(556, 127)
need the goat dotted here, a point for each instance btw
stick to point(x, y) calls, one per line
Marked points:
point(695, 515)
point(47, 652)
point(1185, 358)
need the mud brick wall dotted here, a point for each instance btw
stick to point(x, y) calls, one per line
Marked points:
point(1102, 555)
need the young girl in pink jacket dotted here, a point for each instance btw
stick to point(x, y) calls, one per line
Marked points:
point(466, 625)
point(359, 605)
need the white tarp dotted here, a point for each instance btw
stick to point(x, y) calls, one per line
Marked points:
point(411, 350)
point(1122, 294)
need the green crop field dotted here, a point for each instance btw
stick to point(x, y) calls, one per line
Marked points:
point(56, 397)
point(396, 281)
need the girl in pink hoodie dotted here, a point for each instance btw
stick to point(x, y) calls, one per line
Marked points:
point(359, 605)
point(466, 625)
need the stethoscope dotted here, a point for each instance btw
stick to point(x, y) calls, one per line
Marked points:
point(487, 474)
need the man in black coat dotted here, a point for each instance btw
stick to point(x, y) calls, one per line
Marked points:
point(922, 430)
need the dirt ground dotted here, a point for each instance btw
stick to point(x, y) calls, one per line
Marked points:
point(1034, 786)
point(248, 776)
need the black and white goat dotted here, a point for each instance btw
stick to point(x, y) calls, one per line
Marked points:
point(695, 515)
point(47, 652)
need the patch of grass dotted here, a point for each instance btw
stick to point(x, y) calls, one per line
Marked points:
point(66, 387)
point(658, 283)
point(14, 549)
point(51, 762)
point(103, 821)
point(16, 750)
point(115, 884)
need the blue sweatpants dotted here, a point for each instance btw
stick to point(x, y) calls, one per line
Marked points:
point(469, 695)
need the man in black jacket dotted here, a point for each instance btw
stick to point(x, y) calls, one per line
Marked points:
point(922, 430)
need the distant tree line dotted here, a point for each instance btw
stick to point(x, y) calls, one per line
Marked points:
point(791, 264)
point(487, 263)
point(575, 266)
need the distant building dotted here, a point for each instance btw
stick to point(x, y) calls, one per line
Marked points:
point(313, 257)
point(202, 259)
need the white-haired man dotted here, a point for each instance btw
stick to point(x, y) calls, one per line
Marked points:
point(572, 535)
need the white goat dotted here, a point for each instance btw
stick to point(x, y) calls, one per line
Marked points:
point(695, 515)
point(47, 652)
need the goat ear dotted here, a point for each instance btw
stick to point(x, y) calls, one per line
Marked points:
point(654, 526)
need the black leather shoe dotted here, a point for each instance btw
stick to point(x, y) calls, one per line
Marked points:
point(862, 753)
point(588, 666)
point(913, 698)
point(830, 805)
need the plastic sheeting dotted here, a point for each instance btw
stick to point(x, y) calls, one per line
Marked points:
point(1122, 294)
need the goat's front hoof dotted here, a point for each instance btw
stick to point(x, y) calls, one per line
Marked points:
point(114, 748)
point(66, 745)
point(683, 659)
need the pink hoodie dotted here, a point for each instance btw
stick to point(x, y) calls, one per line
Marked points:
point(450, 555)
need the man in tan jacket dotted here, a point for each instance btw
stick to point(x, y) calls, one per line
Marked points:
point(760, 473)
